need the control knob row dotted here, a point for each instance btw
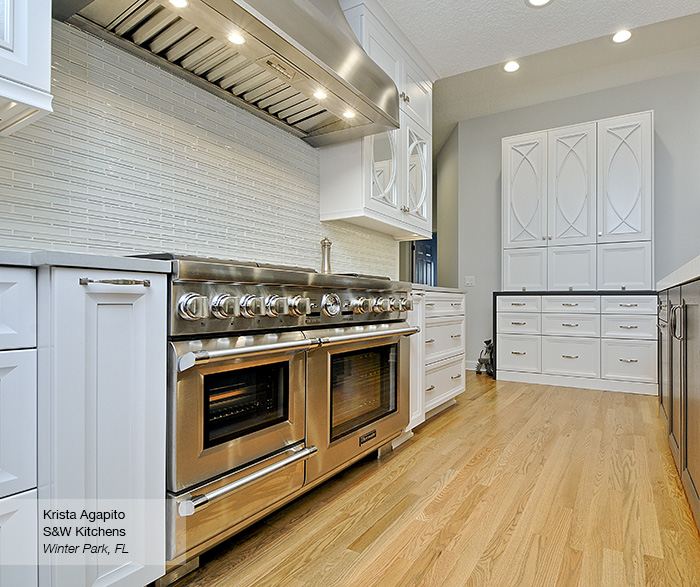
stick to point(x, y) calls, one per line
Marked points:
point(192, 306)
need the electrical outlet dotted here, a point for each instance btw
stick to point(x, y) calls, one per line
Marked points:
point(468, 281)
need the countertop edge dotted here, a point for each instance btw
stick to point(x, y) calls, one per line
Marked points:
point(82, 261)
point(688, 272)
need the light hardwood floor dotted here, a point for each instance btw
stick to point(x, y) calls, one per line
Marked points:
point(516, 485)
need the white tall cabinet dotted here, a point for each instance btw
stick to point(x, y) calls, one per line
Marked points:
point(577, 207)
point(384, 181)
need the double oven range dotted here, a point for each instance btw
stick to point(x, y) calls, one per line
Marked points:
point(278, 378)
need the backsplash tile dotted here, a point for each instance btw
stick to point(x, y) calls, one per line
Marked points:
point(133, 159)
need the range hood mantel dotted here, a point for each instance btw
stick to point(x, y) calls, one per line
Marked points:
point(293, 48)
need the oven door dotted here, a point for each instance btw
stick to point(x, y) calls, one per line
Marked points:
point(232, 402)
point(358, 393)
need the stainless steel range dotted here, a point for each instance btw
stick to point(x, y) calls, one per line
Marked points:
point(279, 377)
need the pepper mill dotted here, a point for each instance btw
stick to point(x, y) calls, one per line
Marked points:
point(326, 255)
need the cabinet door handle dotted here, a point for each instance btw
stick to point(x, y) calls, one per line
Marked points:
point(430, 340)
point(88, 281)
point(456, 376)
point(456, 304)
point(570, 356)
point(430, 388)
point(569, 324)
point(455, 336)
point(517, 303)
point(519, 323)
point(518, 353)
point(628, 305)
point(629, 360)
point(405, 208)
point(571, 304)
point(629, 326)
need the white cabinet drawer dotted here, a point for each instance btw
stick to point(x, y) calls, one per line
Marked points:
point(17, 308)
point(629, 360)
point(18, 540)
point(571, 324)
point(443, 381)
point(443, 337)
point(571, 304)
point(443, 304)
point(17, 421)
point(643, 327)
point(629, 304)
point(518, 323)
point(516, 352)
point(571, 356)
point(519, 304)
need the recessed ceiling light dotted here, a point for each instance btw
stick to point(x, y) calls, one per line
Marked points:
point(236, 38)
point(320, 94)
point(537, 3)
point(511, 66)
point(621, 36)
point(179, 3)
point(349, 114)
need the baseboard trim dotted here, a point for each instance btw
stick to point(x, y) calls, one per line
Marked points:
point(579, 382)
point(471, 365)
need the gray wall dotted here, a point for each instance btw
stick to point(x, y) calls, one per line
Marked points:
point(446, 213)
point(676, 104)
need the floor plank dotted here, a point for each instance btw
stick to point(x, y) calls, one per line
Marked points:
point(516, 484)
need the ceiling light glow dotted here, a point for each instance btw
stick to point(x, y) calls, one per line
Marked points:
point(179, 3)
point(320, 94)
point(236, 38)
point(621, 36)
point(537, 3)
point(349, 114)
point(511, 66)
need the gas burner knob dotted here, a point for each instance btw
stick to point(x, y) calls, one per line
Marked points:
point(192, 306)
point(394, 305)
point(225, 306)
point(406, 304)
point(252, 306)
point(299, 306)
point(361, 305)
point(331, 304)
point(275, 305)
point(381, 305)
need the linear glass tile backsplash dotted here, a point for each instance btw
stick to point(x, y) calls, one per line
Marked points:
point(133, 159)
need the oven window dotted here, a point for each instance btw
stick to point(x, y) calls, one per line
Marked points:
point(363, 388)
point(242, 401)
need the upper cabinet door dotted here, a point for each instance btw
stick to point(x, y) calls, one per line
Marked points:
point(384, 173)
point(417, 175)
point(572, 185)
point(625, 178)
point(417, 96)
point(524, 185)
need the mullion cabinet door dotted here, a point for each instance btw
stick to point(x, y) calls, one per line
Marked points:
point(625, 178)
point(525, 190)
point(571, 200)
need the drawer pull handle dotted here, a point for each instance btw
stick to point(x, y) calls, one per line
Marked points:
point(518, 353)
point(629, 305)
point(519, 323)
point(430, 304)
point(570, 356)
point(569, 324)
point(629, 360)
point(88, 281)
point(629, 326)
point(430, 340)
point(572, 304)
point(517, 303)
point(456, 376)
point(456, 304)
point(455, 336)
point(430, 388)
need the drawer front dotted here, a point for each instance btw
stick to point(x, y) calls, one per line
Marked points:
point(443, 381)
point(571, 304)
point(642, 327)
point(443, 338)
point(629, 304)
point(443, 304)
point(516, 323)
point(17, 421)
point(519, 304)
point(571, 324)
point(17, 308)
point(18, 540)
point(516, 352)
point(629, 360)
point(571, 356)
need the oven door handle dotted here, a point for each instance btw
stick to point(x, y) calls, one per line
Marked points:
point(368, 335)
point(190, 359)
point(189, 506)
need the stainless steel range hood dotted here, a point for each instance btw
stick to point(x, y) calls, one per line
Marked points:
point(293, 49)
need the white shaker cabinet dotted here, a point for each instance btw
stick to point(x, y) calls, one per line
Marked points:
point(18, 540)
point(103, 411)
point(25, 62)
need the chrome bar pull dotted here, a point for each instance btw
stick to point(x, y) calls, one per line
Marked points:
point(629, 326)
point(518, 323)
point(624, 305)
point(430, 340)
point(88, 281)
point(430, 388)
point(456, 376)
point(518, 353)
point(569, 324)
point(455, 336)
point(629, 360)
point(571, 304)
point(517, 303)
point(570, 356)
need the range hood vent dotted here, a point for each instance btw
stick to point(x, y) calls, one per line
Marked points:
point(293, 49)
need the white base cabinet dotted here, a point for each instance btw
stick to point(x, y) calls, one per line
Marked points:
point(591, 341)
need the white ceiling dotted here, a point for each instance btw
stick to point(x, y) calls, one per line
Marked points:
point(456, 36)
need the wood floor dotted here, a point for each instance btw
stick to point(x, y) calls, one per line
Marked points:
point(516, 485)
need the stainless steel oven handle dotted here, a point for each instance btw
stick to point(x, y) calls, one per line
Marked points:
point(368, 335)
point(188, 507)
point(190, 359)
